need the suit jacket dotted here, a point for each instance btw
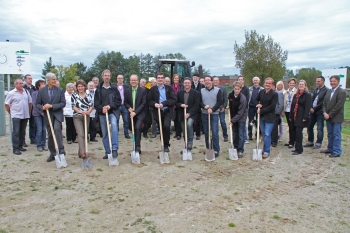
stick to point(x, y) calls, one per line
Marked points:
point(153, 98)
point(140, 101)
point(268, 101)
point(58, 102)
point(322, 92)
point(304, 106)
point(335, 107)
point(192, 102)
point(199, 87)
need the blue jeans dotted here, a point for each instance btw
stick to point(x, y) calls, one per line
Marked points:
point(40, 131)
point(320, 125)
point(245, 132)
point(214, 123)
point(189, 129)
point(223, 124)
point(114, 132)
point(238, 129)
point(266, 129)
point(125, 115)
point(334, 137)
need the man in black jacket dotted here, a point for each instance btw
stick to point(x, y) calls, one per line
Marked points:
point(267, 100)
point(30, 88)
point(189, 99)
point(163, 97)
point(107, 100)
point(196, 85)
point(245, 92)
point(316, 114)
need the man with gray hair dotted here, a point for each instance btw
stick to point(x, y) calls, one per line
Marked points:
point(52, 98)
point(252, 111)
point(18, 103)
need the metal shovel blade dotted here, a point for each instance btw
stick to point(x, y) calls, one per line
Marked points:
point(209, 155)
point(163, 157)
point(135, 157)
point(232, 154)
point(112, 161)
point(87, 163)
point(186, 155)
point(257, 154)
point(60, 161)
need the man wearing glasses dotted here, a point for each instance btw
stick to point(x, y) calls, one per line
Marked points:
point(163, 97)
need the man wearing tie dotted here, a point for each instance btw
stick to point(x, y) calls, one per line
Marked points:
point(316, 114)
point(333, 112)
point(135, 102)
point(52, 98)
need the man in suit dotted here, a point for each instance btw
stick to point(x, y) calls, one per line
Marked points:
point(266, 103)
point(162, 96)
point(30, 88)
point(148, 118)
point(135, 102)
point(333, 112)
point(188, 98)
point(125, 114)
point(252, 110)
point(52, 98)
point(316, 114)
point(196, 85)
point(107, 100)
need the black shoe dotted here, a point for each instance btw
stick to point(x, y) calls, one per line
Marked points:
point(137, 149)
point(225, 139)
point(295, 153)
point(175, 136)
point(114, 153)
point(273, 145)
point(51, 158)
point(45, 148)
point(189, 146)
point(166, 149)
point(22, 149)
point(178, 137)
point(25, 144)
point(145, 135)
point(334, 155)
point(62, 152)
point(308, 144)
point(287, 144)
point(94, 140)
point(105, 157)
point(198, 138)
point(127, 136)
point(33, 142)
point(17, 152)
point(153, 136)
point(326, 151)
point(216, 154)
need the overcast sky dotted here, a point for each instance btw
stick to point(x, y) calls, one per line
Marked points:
point(315, 32)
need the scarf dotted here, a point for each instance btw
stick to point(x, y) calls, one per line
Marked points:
point(298, 94)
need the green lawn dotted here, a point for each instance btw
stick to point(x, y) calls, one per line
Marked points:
point(346, 125)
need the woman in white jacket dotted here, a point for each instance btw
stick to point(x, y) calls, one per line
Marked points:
point(68, 115)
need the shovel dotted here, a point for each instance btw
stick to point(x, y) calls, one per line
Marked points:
point(163, 156)
point(86, 161)
point(232, 152)
point(186, 154)
point(209, 153)
point(111, 161)
point(257, 153)
point(59, 158)
point(135, 156)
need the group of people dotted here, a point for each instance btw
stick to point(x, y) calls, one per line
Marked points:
point(203, 103)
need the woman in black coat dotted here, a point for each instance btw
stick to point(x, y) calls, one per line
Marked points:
point(299, 114)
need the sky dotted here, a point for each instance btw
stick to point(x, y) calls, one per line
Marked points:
point(315, 33)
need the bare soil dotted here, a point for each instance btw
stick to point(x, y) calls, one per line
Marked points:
point(284, 193)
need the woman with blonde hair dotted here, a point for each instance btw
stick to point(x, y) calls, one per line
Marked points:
point(299, 114)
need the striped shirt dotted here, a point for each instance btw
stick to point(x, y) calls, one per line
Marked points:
point(83, 104)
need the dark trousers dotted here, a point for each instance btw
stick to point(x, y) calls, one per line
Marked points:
point(251, 116)
point(92, 128)
point(238, 135)
point(18, 132)
point(197, 124)
point(137, 130)
point(319, 119)
point(177, 122)
point(71, 134)
point(291, 130)
point(32, 129)
point(299, 139)
point(274, 133)
point(57, 128)
point(166, 121)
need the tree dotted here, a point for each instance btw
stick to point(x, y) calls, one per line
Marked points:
point(289, 74)
point(195, 70)
point(309, 75)
point(66, 74)
point(260, 56)
point(81, 72)
point(48, 67)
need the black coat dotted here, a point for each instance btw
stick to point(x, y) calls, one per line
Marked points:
point(304, 106)
point(140, 101)
point(268, 101)
point(192, 102)
point(321, 94)
point(238, 107)
point(153, 98)
point(114, 100)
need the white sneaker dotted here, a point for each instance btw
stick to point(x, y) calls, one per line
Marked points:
point(246, 142)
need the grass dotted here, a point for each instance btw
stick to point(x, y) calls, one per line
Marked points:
point(276, 217)
point(94, 211)
point(346, 124)
point(342, 164)
point(38, 155)
point(99, 169)
point(231, 224)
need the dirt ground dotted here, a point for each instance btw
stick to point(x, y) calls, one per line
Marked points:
point(284, 193)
